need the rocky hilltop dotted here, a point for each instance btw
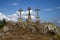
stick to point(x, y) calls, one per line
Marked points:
point(28, 30)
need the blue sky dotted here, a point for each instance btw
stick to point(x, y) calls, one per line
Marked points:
point(49, 9)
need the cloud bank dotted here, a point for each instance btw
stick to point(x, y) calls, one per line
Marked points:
point(15, 16)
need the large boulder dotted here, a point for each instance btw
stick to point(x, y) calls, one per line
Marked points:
point(49, 27)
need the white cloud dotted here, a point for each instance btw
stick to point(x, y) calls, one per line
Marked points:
point(3, 9)
point(49, 9)
point(8, 17)
point(2, 16)
point(33, 17)
point(25, 14)
point(49, 21)
point(54, 21)
point(15, 16)
point(14, 4)
point(58, 21)
point(58, 7)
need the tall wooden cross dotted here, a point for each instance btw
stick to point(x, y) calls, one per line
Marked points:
point(29, 11)
point(37, 17)
point(20, 12)
point(37, 10)
point(29, 15)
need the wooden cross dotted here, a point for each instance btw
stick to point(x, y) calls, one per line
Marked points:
point(29, 10)
point(37, 10)
point(20, 12)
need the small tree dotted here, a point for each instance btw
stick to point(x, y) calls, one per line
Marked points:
point(4, 21)
point(1, 24)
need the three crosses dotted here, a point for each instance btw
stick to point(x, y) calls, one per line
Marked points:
point(37, 10)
